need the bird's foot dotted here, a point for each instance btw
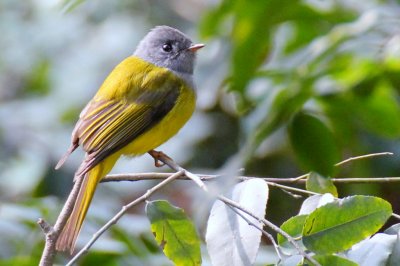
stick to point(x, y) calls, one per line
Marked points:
point(158, 157)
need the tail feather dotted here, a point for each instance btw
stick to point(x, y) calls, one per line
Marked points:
point(66, 155)
point(70, 232)
point(68, 236)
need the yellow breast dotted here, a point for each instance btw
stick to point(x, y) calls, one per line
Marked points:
point(167, 127)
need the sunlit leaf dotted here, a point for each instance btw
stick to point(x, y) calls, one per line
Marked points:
point(315, 201)
point(376, 250)
point(338, 225)
point(174, 232)
point(333, 260)
point(231, 241)
point(393, 230)
point(294, 227)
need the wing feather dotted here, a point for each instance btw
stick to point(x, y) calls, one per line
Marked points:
point(134, 98)
point(115, 124)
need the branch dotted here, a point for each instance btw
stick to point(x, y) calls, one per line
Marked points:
point(203, 177)
point(363, 157)
point(124, 209)
point(52, 233)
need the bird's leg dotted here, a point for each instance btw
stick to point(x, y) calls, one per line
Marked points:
point(157, 155)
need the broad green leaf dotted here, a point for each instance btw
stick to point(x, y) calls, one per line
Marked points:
point(174, 232)
point(338, 225)
point(294, 227)
point(313, 143)
point(231, 240)
point(333, 260)
point(376, 250)
point(320, 184)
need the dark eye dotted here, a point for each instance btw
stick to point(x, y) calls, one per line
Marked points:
point(167, 47)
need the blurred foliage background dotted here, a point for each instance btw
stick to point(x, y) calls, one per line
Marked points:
point(284, 87)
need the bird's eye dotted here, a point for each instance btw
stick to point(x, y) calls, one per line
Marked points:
point(167, 47)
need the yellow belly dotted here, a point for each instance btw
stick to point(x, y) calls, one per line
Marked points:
point(166, 128)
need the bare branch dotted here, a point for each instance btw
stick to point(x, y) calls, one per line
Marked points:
point(203, 177)
point(46, 227)
point(51, 234)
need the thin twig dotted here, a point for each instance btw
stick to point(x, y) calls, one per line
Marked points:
point(52, 234)
point(124, 209)
point(302, 178)
point(293, 189)
point(363, 157)
point(396, 216)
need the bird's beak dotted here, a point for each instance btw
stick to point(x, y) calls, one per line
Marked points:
point(195, 47)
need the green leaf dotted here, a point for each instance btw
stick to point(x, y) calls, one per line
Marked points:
point(380, 112)
point(19, 260)
point(338, 225)
point(214, 18)
point(320, 184)
point(251, 40)
point(294, 227)
point(313, 143)
point(174, 232)
point(333, 260)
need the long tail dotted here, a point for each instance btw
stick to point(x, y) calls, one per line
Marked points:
point(69, 234)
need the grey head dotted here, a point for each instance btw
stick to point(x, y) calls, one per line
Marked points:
point(168, 47)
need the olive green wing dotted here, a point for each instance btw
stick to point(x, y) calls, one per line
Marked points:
point(108, 125)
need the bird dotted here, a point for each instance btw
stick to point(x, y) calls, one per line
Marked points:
point(144, 101)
